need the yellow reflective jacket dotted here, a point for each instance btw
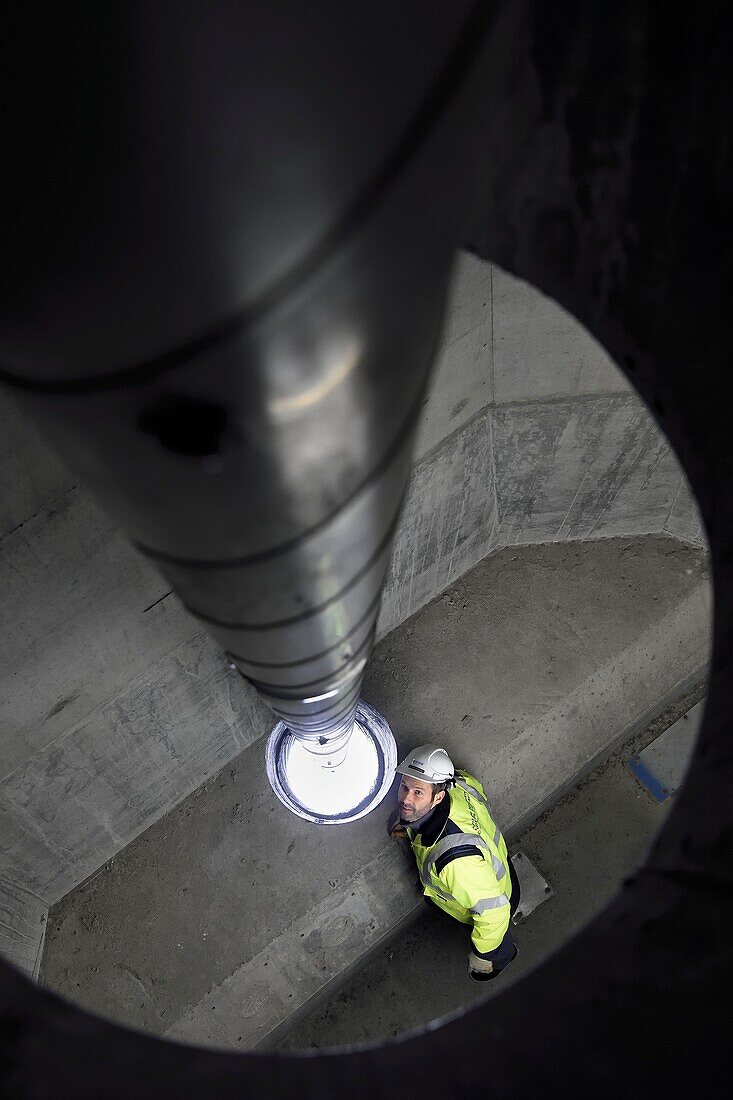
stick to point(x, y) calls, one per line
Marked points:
point(466, 869)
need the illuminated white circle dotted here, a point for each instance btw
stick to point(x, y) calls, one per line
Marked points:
point(331, 791)
point(337, 795)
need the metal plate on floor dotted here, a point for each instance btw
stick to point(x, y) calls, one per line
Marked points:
point(661, 766)
point(534, 888)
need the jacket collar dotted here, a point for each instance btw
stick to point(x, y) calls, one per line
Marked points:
point(430, 829)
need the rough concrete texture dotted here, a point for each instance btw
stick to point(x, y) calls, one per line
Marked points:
point(604, 470)
point(23, 917)
point(530, 434)
point(584, 846)
point(529, 332)
point(462, 381)
point(98, 618)
point(114, 705)
point(449, 523)
point(229, 914)
point(32, 477)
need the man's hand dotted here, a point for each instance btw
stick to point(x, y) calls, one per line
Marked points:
point(481, 970)
point(396, 829)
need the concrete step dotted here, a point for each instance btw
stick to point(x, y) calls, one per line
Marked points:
point(229, 918)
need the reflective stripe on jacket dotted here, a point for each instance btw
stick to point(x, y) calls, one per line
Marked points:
point(466, 870)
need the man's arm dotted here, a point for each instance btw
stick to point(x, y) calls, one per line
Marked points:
point(489, 931)
point(472, 882)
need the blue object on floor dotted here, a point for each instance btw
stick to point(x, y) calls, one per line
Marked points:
point(661, 766)
point(650, 781)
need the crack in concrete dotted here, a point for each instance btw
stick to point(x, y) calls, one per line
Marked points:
point(45, 509)
point(156, 602)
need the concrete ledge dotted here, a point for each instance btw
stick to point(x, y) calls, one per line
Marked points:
point(229, 918)
point(249, 1007)
point(634, 686)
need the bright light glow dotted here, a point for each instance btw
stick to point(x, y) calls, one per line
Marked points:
point(337, 364)
point(353, 786)
point(353, 672)
point(331, 791)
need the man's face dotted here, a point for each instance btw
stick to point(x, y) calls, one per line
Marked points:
point(414, 798)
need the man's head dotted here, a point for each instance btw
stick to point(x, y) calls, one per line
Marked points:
point(415, 799)
point(426, 772)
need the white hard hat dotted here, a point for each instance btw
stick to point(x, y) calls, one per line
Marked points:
point(429, 763)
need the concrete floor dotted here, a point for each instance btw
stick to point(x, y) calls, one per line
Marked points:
point(229, 916)
point(584, 846)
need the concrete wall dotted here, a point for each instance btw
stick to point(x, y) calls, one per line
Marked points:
point(114, 705)
point(530, 434)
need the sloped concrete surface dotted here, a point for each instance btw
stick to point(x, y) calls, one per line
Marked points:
point(529, 331)
point(23, 917)
point(86, 616)
point(462, 380)
point(229, 916)
point(449, 523)
point(31, 477)
point(604, 470)
point(584, 845)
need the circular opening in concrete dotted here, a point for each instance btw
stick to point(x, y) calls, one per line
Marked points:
point(334, 795)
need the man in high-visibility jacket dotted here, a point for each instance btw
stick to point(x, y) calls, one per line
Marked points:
point(461, 855)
